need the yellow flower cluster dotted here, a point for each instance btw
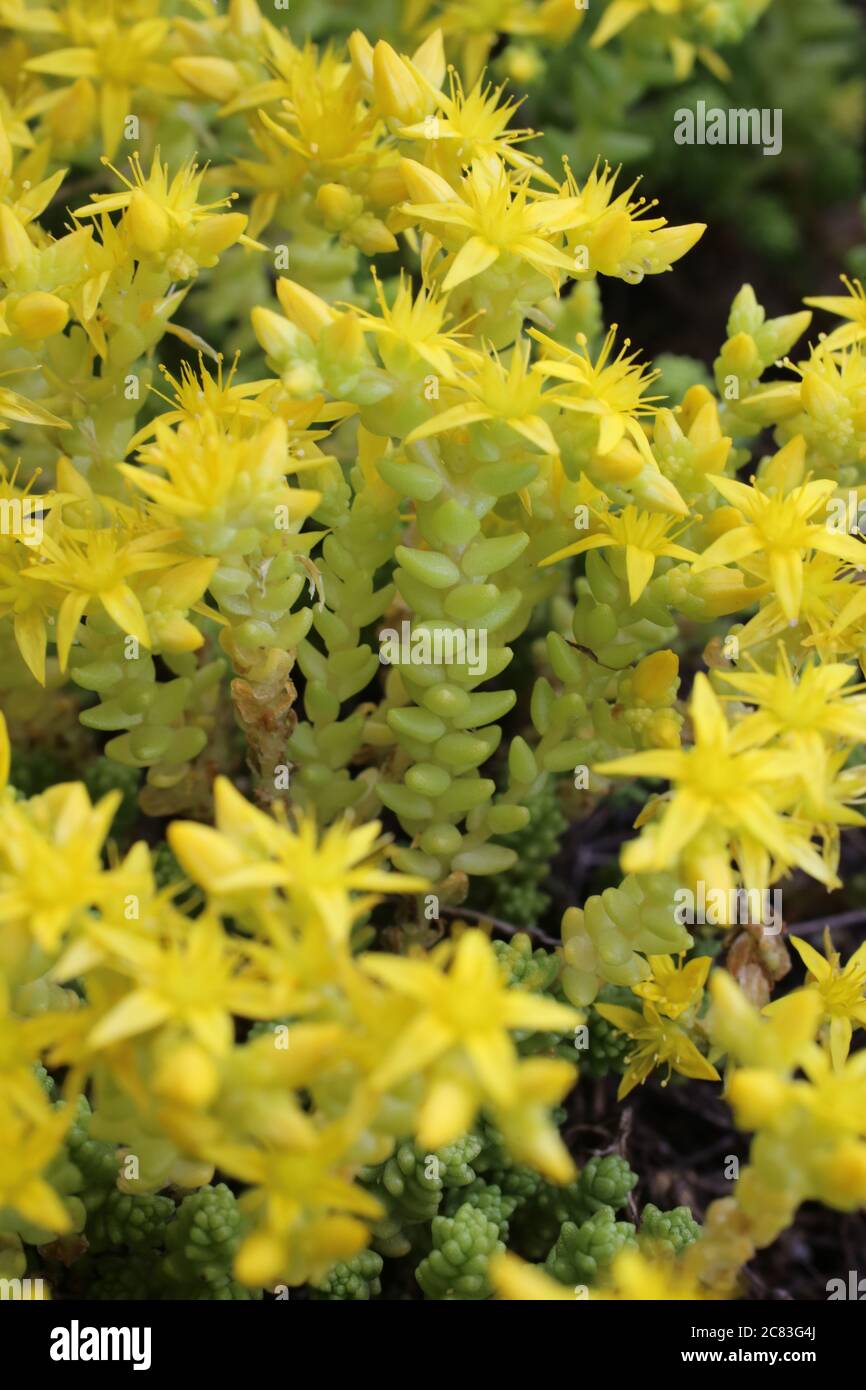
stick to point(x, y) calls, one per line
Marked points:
point(381, 1046)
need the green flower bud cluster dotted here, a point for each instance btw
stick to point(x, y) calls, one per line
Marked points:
point(542, 1207)
point(96, 1160)
point(137, 1222)
point(457, 1265)
point(201, 1242)
point(412, 1181)
point(489, 1199)
point(454, 1220)
point(515, 1181)
point(525, 968)
point(607, 941)
point(582, 1252)
point(606, 1181)
point(352, 1280)
point(132, 1243)
point(100, 409)
point(537, 970)
point(667, 1232)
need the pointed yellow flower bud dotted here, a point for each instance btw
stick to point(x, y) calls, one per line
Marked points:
point(560, 18)
point(657, 493)
point(667, 434)
point(245, 18)
point(429, 58)
point(338, 206)
point(386, 186)
point(344, 339)
point(372, 236)
point(16, 248)
point(361, 54)
point(397, 90)
point(39, 315)
point(423, 185)
point(147, 223)
point(176, 633)
point(723, 591)
point(654, 676)
point(693, 403)
point(277, 337)
point(217, 233)
point(722, 520)
point(213, 77)
point(706, 431)
point(620, 464)
point(304, 309)
point(817, 396)
point(669, 244)
point(740, 355)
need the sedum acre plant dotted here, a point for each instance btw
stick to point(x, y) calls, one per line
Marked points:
point(350, 562)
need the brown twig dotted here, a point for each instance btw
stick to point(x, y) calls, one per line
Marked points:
point(497, 922)
point(855, 918)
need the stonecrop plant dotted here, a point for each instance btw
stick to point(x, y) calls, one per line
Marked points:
point(352, 563)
